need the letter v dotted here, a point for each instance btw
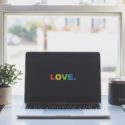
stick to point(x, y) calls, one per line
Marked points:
point(64, 76)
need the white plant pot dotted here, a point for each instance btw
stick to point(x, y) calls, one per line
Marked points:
point(5, 95)
point(3, 1)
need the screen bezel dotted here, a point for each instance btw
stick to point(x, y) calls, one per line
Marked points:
point(92, 99)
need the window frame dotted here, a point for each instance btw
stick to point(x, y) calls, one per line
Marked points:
point(63, 10)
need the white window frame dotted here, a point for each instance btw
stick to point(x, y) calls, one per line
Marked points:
point(64, 10)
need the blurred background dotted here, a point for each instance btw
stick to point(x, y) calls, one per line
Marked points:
point(64, 33)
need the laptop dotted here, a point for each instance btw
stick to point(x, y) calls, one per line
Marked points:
point(62, 85)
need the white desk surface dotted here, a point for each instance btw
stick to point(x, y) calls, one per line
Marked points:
point(8, 116)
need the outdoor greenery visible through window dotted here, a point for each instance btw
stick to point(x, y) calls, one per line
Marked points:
point(64, 33)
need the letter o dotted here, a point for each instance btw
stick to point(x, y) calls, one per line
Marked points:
point(58, 77)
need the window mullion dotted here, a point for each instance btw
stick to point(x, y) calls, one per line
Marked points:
point(122, 59)
point(1, 37)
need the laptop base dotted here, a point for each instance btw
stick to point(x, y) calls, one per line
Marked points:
point(62, 114)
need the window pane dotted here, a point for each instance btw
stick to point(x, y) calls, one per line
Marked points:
point(64, 33)
point(64, 2)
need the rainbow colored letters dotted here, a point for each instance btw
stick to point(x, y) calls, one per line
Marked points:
point(62, 76)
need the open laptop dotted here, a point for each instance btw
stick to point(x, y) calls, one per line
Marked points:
point(62, 85)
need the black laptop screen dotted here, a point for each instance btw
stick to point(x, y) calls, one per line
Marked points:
point(62, 77)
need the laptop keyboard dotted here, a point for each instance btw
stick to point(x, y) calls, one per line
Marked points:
point(63, 106)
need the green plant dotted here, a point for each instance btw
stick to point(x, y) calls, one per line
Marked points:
point(8, 75)
point(27, 31)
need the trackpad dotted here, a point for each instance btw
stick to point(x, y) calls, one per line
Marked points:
point(62, 112)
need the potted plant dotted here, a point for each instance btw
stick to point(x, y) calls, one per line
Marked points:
point(8, 76)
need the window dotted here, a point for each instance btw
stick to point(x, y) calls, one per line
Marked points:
point(36, 28)
point(65, 2)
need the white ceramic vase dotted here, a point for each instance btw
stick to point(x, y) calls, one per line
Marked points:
point(5, 95)
point(3, 1)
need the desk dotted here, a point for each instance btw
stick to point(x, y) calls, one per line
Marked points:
point(8, 116)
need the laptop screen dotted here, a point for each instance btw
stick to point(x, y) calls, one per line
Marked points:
point(62, 77)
